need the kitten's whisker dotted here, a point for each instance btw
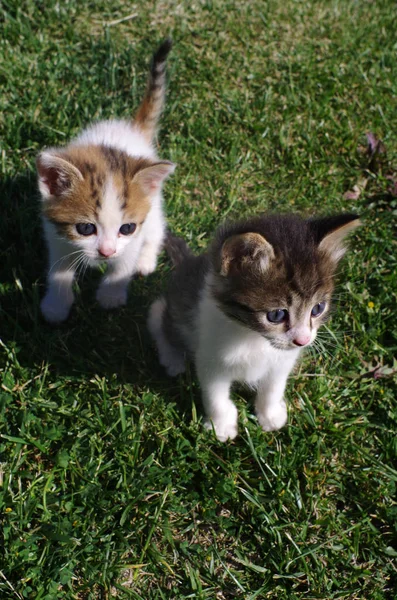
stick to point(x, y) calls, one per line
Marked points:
point(86, 264)
point(78, 264)
point(321, 349)
point(332, 345)
point(83, 266)
point(325, 330)
point(326, 335)
point(329, 332)
point(74, 265)
point(337, 334)
point(63, 258)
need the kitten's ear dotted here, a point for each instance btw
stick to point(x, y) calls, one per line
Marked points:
point(331, 233)
point(56, 175)
point(243, 250)
point(151, 178)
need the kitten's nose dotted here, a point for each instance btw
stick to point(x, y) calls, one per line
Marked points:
point(301, 340)
point(106, 251)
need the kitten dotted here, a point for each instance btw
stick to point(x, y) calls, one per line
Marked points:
point(102, 202)
point(244, 310)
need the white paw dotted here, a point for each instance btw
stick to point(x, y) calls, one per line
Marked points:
point(110, 296)
point(174, 367)
point(54, 309)
point(146, 264)
point(273, 417)
point(225, 429)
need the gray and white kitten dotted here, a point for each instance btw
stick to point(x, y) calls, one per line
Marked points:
point(244, 310)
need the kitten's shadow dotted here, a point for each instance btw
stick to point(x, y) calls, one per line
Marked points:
point(92, 342)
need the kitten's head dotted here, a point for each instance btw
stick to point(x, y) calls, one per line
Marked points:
point(275, 274)
point(98, 197)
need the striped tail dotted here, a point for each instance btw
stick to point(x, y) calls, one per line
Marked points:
point(151, 107)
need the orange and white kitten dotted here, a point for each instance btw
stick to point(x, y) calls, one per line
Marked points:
point(102, 202)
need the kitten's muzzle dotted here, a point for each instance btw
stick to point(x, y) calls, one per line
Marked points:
point(106, 252)
point(302, 340)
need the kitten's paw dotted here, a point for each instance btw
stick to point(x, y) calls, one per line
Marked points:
point(174, 367)
point(111, 296)
point(224, 429)
point(54, 310)
point(273, 417)
point(146, 264)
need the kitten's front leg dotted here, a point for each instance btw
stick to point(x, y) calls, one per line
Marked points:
point(147, 260)
point(220, 411)
point(271, 409)
point(59, 297)
point(153, 241)
point(113, 289)
point(270, 406)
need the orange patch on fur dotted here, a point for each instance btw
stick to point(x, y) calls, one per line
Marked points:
point(82, 198)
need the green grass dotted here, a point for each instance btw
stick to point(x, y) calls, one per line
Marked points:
point(110, 487)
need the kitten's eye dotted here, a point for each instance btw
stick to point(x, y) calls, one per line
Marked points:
point(277, 316)
point(127, 228)
point(318, 309)
point(86, 228)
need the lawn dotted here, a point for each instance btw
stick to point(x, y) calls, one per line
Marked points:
point(109, 485)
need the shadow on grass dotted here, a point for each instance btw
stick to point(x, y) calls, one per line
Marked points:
point(92, 342)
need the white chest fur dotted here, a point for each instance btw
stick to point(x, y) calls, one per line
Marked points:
point(227, 346)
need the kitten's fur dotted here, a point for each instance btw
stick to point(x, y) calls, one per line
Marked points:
point(108, 177)
point(217, 306)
